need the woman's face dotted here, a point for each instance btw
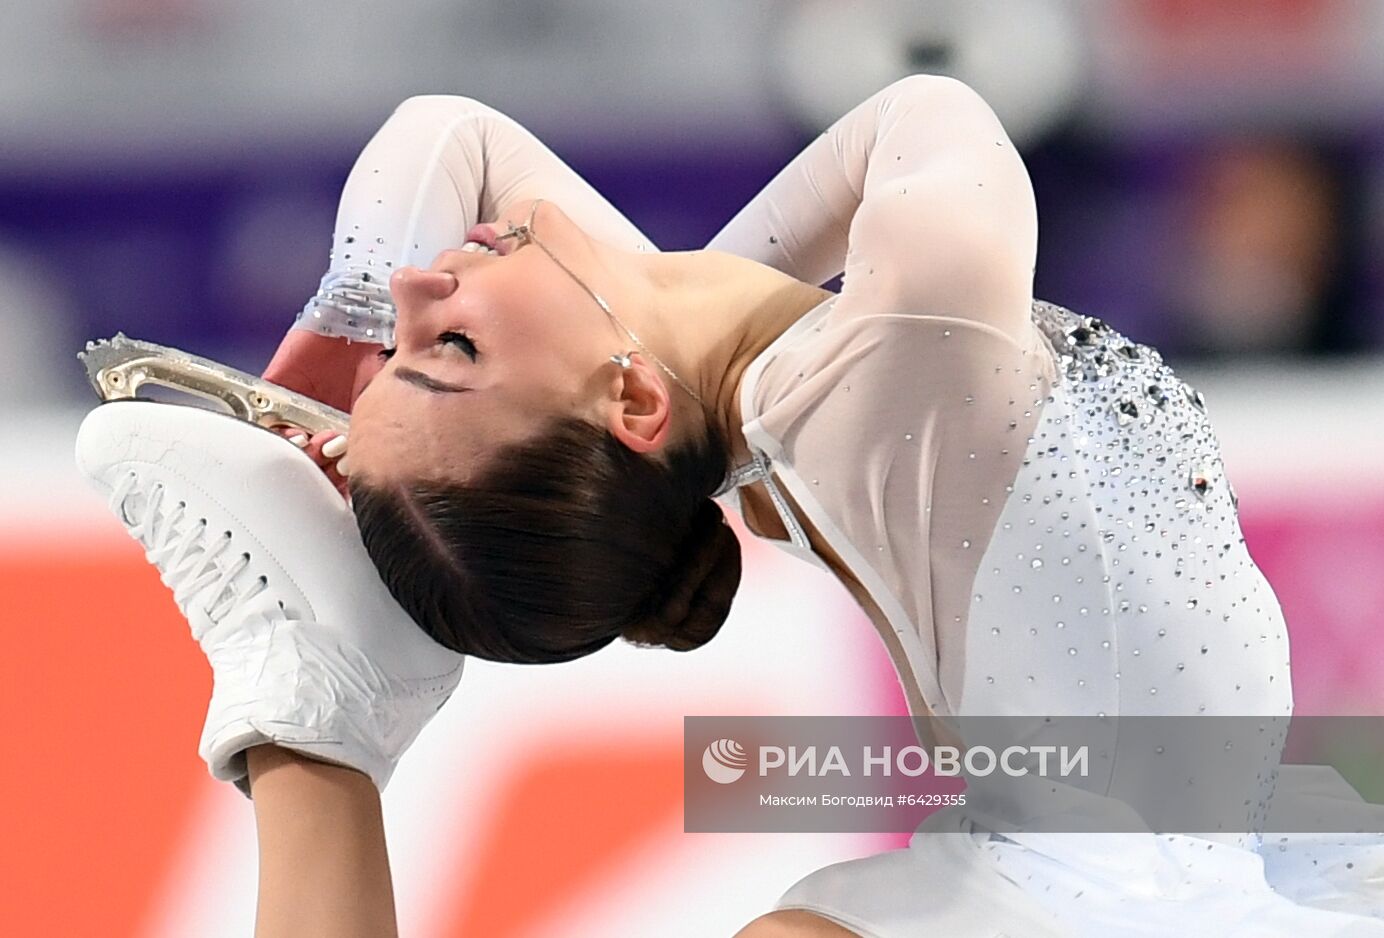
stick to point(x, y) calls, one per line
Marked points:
point(485, 348)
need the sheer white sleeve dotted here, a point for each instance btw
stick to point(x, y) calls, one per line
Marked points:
point(927, 372)
point(918, 195)
point(439, 165)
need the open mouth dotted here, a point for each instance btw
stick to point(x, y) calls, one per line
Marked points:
point(482, 239)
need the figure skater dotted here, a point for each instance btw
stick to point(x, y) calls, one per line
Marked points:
point(1030, 507)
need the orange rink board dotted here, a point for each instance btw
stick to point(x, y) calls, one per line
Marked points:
point(101, 704)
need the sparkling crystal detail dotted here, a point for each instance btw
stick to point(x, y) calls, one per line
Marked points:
point(1199, 480)
point(1126, 411)
point(1131, 430)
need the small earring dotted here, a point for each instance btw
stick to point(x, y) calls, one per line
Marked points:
point(623, 360)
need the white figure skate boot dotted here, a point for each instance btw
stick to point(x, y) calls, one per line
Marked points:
point(308, 649)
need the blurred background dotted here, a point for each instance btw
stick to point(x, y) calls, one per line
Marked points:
point(1210, 180)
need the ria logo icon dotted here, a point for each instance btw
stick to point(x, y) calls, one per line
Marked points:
point(724, 761)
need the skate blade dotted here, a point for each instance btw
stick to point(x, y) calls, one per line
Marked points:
point(119, 366)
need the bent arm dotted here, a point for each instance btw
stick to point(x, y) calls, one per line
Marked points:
point(917, 194)
point(323, 865)
point(439, 165)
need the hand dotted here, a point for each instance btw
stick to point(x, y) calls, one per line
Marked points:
point(327, 449)
point(329, 369)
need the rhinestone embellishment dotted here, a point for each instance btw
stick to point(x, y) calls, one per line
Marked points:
point(1199, 480)
point(1126, 411)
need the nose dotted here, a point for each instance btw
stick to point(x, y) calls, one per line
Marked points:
point(412, 285)
point(416, 292)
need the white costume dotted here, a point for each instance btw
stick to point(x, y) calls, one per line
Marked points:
point(1035, 503)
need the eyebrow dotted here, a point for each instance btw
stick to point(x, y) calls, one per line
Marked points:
point(418, 379)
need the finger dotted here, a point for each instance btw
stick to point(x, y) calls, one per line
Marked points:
point(319, 441)
point(295, 435)
point(316, 444)
point(337, 480)
point(335, 447)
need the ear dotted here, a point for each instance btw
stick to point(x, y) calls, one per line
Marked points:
point(641, 415)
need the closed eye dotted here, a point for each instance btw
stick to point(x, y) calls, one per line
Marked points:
point(456, 339)
point(460, 340)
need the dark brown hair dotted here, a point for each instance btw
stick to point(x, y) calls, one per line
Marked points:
point(564, 543)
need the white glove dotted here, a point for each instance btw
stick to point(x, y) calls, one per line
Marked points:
point(308, 650)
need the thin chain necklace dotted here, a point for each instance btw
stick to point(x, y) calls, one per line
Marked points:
point(526, 231)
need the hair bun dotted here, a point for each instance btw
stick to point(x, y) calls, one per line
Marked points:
point(700, 587)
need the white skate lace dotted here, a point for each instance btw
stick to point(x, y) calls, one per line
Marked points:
point(191, 561)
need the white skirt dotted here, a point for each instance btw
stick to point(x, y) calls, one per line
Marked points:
point(956, 880)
